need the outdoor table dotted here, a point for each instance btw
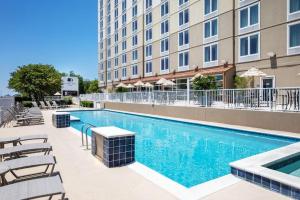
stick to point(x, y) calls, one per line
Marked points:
point(7, 140)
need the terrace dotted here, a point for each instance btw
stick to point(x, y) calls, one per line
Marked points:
point(85, 177)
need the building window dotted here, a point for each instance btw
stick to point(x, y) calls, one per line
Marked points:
point(148, 3)
point(249, 16)
point(294, 38)
point(181, 2)
point(134, 70)
point(116, 13)
point(211, 28)
point(249, 46)
point(124, 45)
point(116, 74)
point(101, 66)
point(101, 77)
point(109, 53)
point(116, 26)
point(124, 5)
point(148, 50)
point(211, 53)
point(134, 11)
point(148, 67)
point(164, 9)
point(124, 32)
point(183, 59)
point(108, 64)
point(124, 72)
point(108, 76)
point(124, 59)
point(210, 6)
point(124, 19)
point(149, 34)
point(164, 64)
point(183, 38)
point(164, 26)
point(116, 62)
point(116, 37)
point(164, 45)
point(134, 26)
point(183, 17)
point(134, 55)
point(294, 6)
point(116, 49)
point(134, 40)
point(148, 18)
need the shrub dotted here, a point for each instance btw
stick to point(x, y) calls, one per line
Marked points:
point(205, 83)
point(67, 100)
point(88, 104)
point(27, 104)
point(240, 82)
point(121, 90)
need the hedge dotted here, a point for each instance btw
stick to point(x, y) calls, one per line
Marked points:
point(88, 104)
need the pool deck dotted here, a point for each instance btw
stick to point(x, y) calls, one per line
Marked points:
point(85, 177)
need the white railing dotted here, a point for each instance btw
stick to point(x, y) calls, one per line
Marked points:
point(274, 99)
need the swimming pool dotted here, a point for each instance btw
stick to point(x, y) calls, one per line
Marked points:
point(189, 154)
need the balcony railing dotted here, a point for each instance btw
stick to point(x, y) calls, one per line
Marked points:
point(273, 99)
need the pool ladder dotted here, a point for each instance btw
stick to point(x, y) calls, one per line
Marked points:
point(84, 129)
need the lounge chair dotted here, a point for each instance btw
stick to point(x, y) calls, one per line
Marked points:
point(56, 105)
point(44, 105)
point(34, 188)
point(43, 137)
point(13, 165)
point(35, 105)
point(21, 150)
point(49, 105)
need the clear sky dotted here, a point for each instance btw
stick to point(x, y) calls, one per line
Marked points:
point(58, 32)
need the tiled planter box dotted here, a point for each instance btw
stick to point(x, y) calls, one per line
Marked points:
point(61, 119)
point(114, 146)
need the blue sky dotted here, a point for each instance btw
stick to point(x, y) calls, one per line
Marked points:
point(58, 32)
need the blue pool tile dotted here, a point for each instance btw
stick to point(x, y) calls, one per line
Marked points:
point(295, 193)
point(257, 179)
point(122, 141)
point(116, 142)
point(122, 149)
point(286, 190)
point(233, 171)
point(249, 176)
point(266, 182)
point(116, 156)
point(241, 174)
point(275, 186)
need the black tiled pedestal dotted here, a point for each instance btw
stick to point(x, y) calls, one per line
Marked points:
point(114, 146)
point(61, 119)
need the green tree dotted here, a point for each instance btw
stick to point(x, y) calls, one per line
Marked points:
point(35, 80)
point(241, 82)
point(93, 87)
point(204, 83)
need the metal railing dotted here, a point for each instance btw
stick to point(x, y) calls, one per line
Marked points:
point(84, 131)
point(272, 99)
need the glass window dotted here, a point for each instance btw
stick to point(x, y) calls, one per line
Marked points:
point(294, 35)
point(184, 59)
point(164, 64)
point(249, 45)
point(148, 67)
point(249, 16)
point(244, 47)
point(164, 9)
point(134, 70)
point(184, 38)
point(211, 53)
point(183, 17)
point(294, 6)
point(211, 28)
point(124, 72)
point(210, 6)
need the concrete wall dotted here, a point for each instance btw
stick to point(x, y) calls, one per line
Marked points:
point(258, 119)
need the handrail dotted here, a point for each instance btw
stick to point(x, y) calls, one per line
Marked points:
point(87, 126)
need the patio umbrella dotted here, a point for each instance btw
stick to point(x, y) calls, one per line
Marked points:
point(130, 87)
point(169, 83)
point(149, 85)
point(121, 85)
point(197, 76)
point(161, 81)
point(57, 94)
point(253, 72)
point(139, 84)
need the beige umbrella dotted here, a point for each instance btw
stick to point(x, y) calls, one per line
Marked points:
point(57, 94)
point(161, 81)
point(130, 86)
point(139, 84)
point(197, 76)
point(253, 72)
point(169, 83)
point(149, 85)
point(121, 85)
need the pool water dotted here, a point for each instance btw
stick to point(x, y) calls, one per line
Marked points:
point(187, 153)
point(289, 166)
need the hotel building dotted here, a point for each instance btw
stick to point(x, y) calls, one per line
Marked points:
point(176, 39)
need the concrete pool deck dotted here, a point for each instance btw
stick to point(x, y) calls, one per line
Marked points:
point(85, 177)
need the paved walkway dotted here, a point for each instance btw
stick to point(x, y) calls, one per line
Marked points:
point(86, 178)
